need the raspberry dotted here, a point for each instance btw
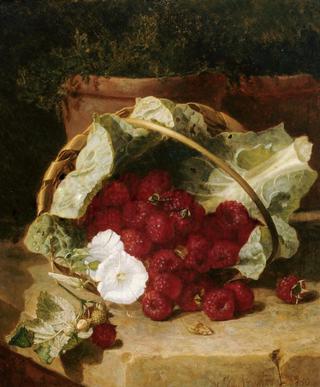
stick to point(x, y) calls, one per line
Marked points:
point(187, 276)
point(176, 200)
point(155, 182)
point(244, 296)
point(219, 304)
point(182, 222)
point(198, 261)
point(136, 213)
point(132, 182)
point(168, 284)
point(213, 230)
point(198, 244)
point(93, 208)
point(164, 261)
point(156, 306)
point(160, 227)
point(197, 214)
point(223, 254)
point(206, 283)
point(232, 215)
point(104, 335)
point(245, 231)
point(191, 298)
point(115, 194)
point(109, 218)
point(290, 289)
point(136, 242)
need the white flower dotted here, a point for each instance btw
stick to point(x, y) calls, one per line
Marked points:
point(122, 278)
point(103, 245)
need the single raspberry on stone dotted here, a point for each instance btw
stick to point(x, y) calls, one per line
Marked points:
point(168, 284)
point(176, 200)
point(136, 242)
point(219, 304)
point(109, 218)
point(155, 182)
point(132, 182)
point(187, 276)
point(198, 261)
point(232, 215)
point(115, 194)
point(213, 231)
point(160, 227)
point(164, 261)
point(245, 231)
point(104, 335)
point(191, 298)
point(197, 243)
point(156, 306)
point(136, 213)
point(244, 296)
point(223, 254)
point(291, 289)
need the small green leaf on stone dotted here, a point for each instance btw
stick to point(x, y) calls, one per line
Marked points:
point(22, 338)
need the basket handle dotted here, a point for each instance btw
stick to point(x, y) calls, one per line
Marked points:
point(221, 164)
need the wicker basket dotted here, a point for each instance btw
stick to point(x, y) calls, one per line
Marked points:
point(217, 122)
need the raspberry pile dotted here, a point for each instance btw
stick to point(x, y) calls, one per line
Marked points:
point(179, 244)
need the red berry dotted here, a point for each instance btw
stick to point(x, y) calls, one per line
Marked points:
point(115, 194)
point(245, 231)
point(160, 227)
point(164, 261)
point(232, 215)
point(213, 230)
point(136, 242)
point(155, 182)
point(183, 222)
point(156, 306)
point(104, 335)
point(190, 299)
point(188, 276)
point(198, 261)
point(197, 214)
point(109, 218)
point(223, 254)
point(176, 200)
point(136, 213)
point(219, 304)
point(132, 182)
point(168, 284)
point(197, 243)
point(206, 283)
point(290, 289)
point(244, 296)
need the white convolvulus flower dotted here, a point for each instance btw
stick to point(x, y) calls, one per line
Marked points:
point(103, 245)
point(122, 278)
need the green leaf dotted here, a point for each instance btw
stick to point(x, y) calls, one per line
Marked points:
point(67, 280)
point(50, 235)
point(254, 254)
point(55, 310)
point(275, 165)
point(22, 338)
point(111, 143)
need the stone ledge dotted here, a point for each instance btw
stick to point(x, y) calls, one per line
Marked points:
point(276, 344)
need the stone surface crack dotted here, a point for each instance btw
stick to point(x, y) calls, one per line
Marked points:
point(275, 357)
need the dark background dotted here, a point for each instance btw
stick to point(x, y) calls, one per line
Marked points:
point(43, 43)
